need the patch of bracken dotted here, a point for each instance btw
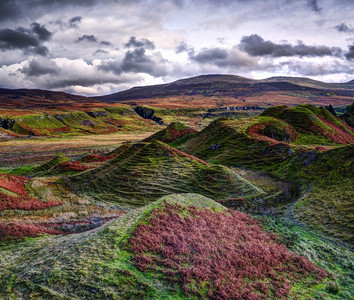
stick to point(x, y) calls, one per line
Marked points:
point(174, 133)
point(272, 133)
point(17, 231)
point(174, 152)
point(19, 197)
point(338, 134)
point(71, 166)
point(96, 158)
point(218, 255)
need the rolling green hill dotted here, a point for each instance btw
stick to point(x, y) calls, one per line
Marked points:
point(114, 262)
point(146, 171)
point(301, 144)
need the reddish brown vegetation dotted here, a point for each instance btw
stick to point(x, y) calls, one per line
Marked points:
point(174, 152)
point(96, 158)
point(257, 132)
point(71, 166)
point(338, 135)
point(21, 200)
point(174, 133)
point(221, 255)
point(15, 231)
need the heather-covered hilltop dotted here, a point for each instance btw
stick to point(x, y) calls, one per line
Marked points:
point(181, 246)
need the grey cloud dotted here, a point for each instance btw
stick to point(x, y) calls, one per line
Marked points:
point(100, 51)
point(42, 32)
point(134, 43)
point(106, 43)
point(313, 5)
point(255, 45)
point(224, 58)
point(28, 40)
point(183, 47)
point(344, 28)
point(135, 61)
point(317, 69)
point(38, 67)
point(350, 55)
point(87, 38)
point(74, 21)
point(138, 62)
point(24, 9)
point(210, 55)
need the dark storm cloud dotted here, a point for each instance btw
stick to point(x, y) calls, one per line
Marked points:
point(350, 55)
point(28, 40)
point(255, 45)
point(134, 43)
point(42, 33)
point(38, 67)
point(344, 28)
point(313, 5)
point(24, 9)
point(74, 21)
point(87, 38)
point(135, 61)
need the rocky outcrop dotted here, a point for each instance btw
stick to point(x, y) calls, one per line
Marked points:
point(148, 113)
point(7, 123)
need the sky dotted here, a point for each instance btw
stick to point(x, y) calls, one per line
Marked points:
point(97, 47)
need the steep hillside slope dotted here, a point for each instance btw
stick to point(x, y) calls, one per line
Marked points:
point(116, 261)
point(146, 171)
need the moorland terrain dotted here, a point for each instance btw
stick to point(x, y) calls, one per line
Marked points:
point(212, 187)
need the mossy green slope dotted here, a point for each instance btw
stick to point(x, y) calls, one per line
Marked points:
point(97, 264)
point(174, 132)
point(314, 125)
point(327, 176)
point(146, 171)
point(90, 265)
point(234, 146)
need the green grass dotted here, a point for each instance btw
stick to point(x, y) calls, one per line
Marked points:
point(147, 171)
point(327, 206)
point(327, 253)
point(91, 265)
point(97, 264)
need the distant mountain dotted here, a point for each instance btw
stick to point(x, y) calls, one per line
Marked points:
point(218, 90)
point(201, 91)
point(27, 99)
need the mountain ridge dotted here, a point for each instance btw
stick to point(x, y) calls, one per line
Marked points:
point(235, 90)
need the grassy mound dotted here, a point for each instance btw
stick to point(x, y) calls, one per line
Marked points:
point(326, 175)
point(226, 142)
point(146, 171)
point(104, 263)
point(176, 130)
point(46, 167)
point(328, 205)
point(314, 125)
